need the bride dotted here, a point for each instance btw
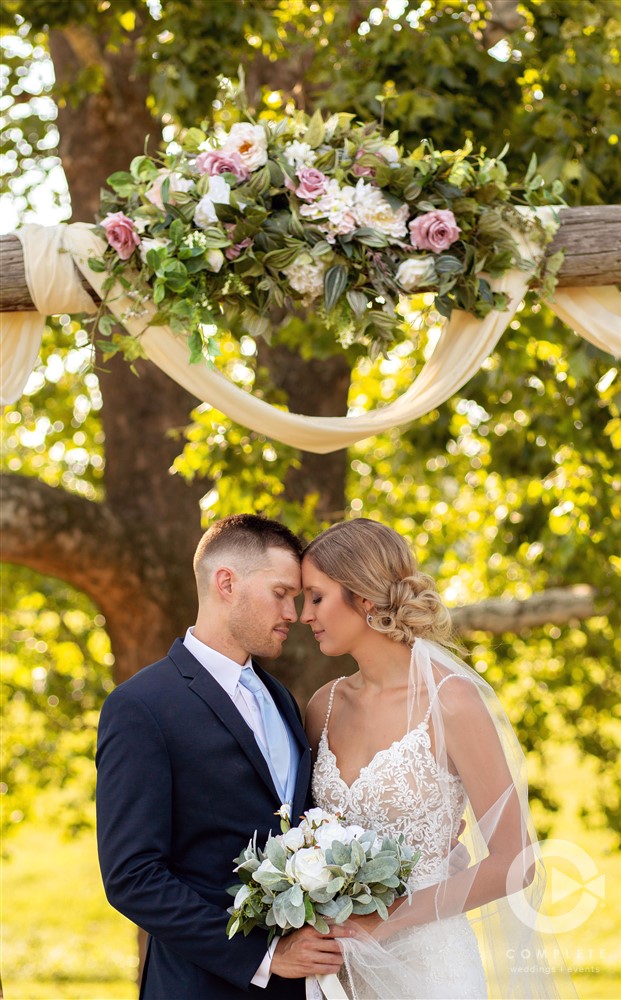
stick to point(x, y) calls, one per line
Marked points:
point(407, 746)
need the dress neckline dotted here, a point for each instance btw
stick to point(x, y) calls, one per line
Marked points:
point(420, 727)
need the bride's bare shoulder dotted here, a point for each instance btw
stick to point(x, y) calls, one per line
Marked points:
point(316, 712)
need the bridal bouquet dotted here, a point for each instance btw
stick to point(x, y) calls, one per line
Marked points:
point(318, 871)
point(305, 212)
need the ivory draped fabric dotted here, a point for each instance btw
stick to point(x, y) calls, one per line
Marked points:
point(465, 342)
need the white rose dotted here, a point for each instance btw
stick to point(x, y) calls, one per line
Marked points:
point(147, 244)
point(306, 276)
point(316, 816)
point(205, 213)
point(250, 141)
point(325, 835)
point(215, 259)
point(266, 868)
point(299, 154)
point(218, 193)
point(355, 831)
point(293, 839)
point(371, 209)
point(414, 272)
point(308, 867)
point(390, 153)
point(285, 812)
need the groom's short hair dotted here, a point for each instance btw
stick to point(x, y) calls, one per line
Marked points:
point(246, 538)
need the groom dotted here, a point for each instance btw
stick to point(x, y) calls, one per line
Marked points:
point(195, 753)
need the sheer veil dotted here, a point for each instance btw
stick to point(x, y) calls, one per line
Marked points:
point(501, 890)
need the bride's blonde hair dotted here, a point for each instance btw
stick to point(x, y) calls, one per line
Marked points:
point(374, 562)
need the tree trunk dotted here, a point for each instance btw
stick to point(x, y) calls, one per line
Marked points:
point(133, 553)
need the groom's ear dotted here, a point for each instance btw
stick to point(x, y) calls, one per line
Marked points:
point(224, 579)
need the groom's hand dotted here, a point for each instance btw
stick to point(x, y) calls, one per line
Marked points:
point(308, 953)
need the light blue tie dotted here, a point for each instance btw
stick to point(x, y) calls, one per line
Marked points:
point(277, 751)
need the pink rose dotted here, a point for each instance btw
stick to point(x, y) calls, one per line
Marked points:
point(435, 230)
point(175, 183)
point(232, 253)
point(215, 161)
point(121, 234)
point(358, 170)
point(312, 183)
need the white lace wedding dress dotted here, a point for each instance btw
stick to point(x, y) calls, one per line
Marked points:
point(403, 790)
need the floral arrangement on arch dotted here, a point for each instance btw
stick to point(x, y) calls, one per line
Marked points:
point(302, 212)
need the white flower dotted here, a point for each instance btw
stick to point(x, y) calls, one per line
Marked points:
point(318, 816)
point(147, 244)
point(293, 839)
point(371, 209)
point(266, 868)
point(285, 812)
point(336, 206)
point(205, 213)
point(250, 141)
point(299, 154)
point(330, 832)
point(215, 259)
point(305, 275)
point(308, 867)
point(355, 831)
point(415, 271)
point(390, 153)
point(218, 193)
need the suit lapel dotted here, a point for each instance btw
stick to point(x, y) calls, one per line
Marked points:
point(203, 684)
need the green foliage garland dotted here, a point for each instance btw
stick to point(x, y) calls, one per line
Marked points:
point(303, 213)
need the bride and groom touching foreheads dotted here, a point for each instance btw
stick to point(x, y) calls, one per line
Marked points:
point(199, 751)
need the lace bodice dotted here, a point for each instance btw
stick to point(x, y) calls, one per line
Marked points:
point(402, 790)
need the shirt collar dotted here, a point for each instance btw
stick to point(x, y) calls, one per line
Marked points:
point(224, 670)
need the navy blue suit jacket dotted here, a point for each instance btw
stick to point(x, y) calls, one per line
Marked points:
point(181, 788)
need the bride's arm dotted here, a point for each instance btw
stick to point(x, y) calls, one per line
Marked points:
point(473, 745)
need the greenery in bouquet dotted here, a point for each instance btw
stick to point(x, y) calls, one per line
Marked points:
point(305, 212)
point(321, 870)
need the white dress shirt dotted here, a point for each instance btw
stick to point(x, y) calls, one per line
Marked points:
point(227, 673)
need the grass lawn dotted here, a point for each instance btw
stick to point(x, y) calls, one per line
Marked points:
point(62, 940)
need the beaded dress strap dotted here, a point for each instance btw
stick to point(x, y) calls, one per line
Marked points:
point(447, 678)
point(331, 699)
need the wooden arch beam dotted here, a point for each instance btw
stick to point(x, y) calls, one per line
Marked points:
point(590, 237)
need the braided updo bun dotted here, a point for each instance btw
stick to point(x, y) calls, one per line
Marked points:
point(372, 561)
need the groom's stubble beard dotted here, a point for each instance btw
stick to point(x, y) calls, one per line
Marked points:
point(256, 636)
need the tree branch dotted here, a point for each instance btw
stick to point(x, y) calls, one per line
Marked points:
point(556, 606)
point(64, 535)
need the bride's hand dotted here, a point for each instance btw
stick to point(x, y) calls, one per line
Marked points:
point(361, 925)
